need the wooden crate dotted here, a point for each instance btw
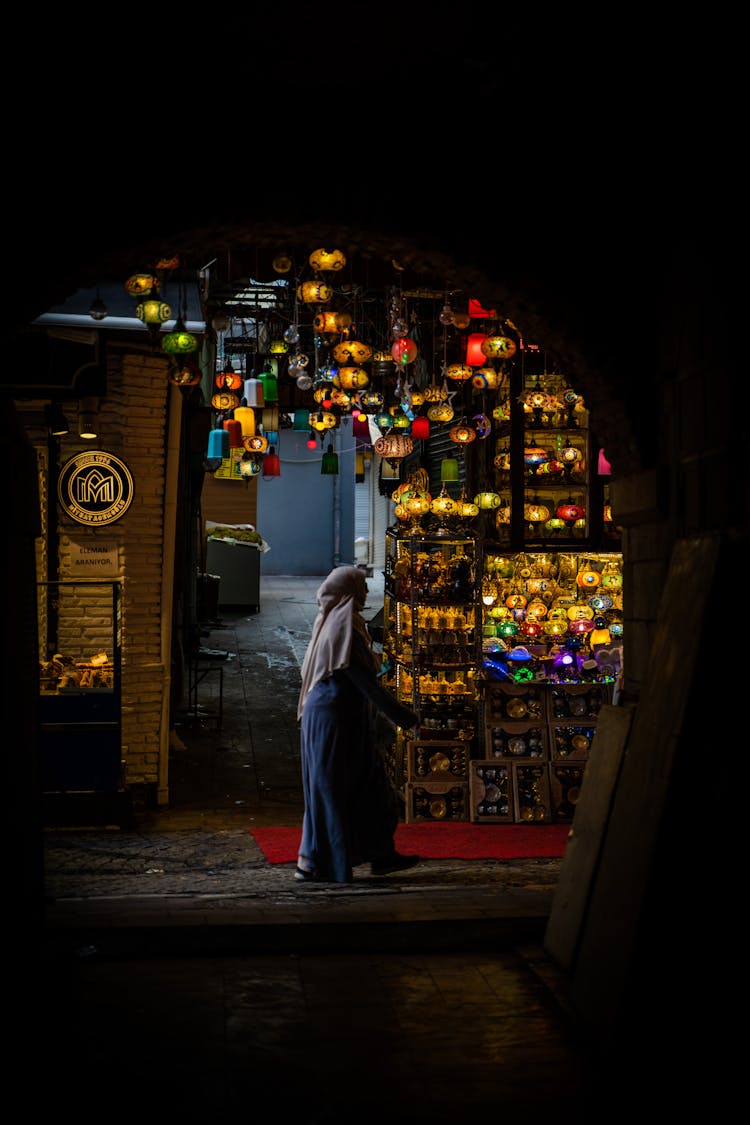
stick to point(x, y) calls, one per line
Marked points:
point(437, 760)
point(516, 741)
point(515, 703)
point(565, 781)
point(581, 702)
point(491, 792)
point(571, 740)
point(531, 795)
point(436, 801)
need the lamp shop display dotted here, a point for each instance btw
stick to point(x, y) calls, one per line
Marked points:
point(503, 615)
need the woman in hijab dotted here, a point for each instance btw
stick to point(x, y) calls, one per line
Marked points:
point(350, 812)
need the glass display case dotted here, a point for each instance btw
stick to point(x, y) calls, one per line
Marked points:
point(80, 630)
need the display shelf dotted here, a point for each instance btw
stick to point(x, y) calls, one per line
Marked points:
point(431, 645)
point(491, 792)
point(436, 801)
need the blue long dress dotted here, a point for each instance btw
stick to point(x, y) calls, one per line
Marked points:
point(351, 810)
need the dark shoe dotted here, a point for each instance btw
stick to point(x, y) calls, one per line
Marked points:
point(393, 863)
point(305, 876)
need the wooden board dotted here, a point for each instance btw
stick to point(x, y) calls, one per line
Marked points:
point(586, 835)
point(610, 928)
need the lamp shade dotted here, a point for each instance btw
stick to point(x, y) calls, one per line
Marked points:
point(271, 463)
point(218, 445)
point(420, 427)
point(254, 392)
point(329, 465)
point(448, 469)
point(474, 354)
point(301, 420)
point(234, 429)
point(270, 387)
point(245, 415)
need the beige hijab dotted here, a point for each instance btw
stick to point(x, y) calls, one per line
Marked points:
point(341, 598)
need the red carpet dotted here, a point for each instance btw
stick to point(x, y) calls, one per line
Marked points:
point(443, 841)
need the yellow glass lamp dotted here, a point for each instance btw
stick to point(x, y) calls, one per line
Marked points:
point(352, 351)
point(152, 310)
point(536, 513)
point(322, 420)
point(487, 501)
point(497, 346)
point(489, 592)
point(140, 284)
point(433, 393)
point(467, 509)
point(440, 412)
point(351, 378)
point(501, 412)
point(314, 292)
point(179, 341)
point(443, 506)
point(459, 372)
point(371, 401)
point(325, 260)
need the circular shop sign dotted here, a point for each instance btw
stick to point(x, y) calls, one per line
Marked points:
point(95, 488)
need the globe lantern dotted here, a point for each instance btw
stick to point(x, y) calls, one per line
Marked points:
point(404, 351)
point(352, 351)
point(497, 346)
point(325, 260)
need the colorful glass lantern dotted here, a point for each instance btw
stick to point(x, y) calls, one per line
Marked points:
point(329, 466)
point(331, 321)
point(394, 447)
point(228, 379)
point(467, 509)
point(301, 421)
point(482, 425)
point(489, 592)
point(153, 311)
point(314, 292)
point(588, 579)
point(462, 434)
point(361, 426)
point(249, 466)
point(497, 346)
point(323, 259)
point(420, 427)
point(218, 445)
point(278, 347)
point(140, 284)
point(554, 524)
point(434, 393)
point(179, 341)
point(461, 320)
point(383, 419)
point(534, 455)
point(569, 454)
point(258, 443)
point(487, 501)
point(351, 378)
point(581, 626)
point(443, 506)
point(501, 412)
point(272, 463)
point(323, 420)
point(352, 351)
point(502, 515)
point(225, 400)
point(550, 468)
point(536, 512)
point(245, 415)
point(459, 372)
point(474, 354)
point(507, 628)
point(371, 401)
point(399, 420)
point(485, 379)
point(569, 512)
point(448, 469)
point(440, 412)
point(404, 351)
